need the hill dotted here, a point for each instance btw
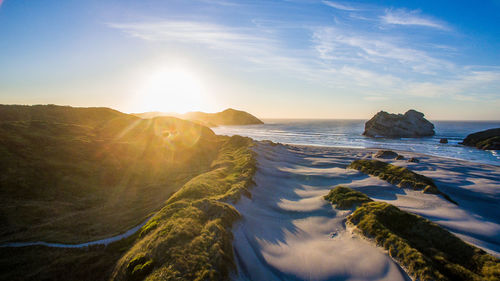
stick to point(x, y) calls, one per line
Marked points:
point(189, 238)
point(85, 116)
point(227, 117)
point(73, 175)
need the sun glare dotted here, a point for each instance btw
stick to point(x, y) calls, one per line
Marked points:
point(173, 89)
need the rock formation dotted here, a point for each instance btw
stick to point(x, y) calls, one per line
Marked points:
point(412, 124)
point(386, 154)
point(413, 160)
point(487, 140)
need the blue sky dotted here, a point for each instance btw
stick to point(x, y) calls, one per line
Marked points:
point(289, 58)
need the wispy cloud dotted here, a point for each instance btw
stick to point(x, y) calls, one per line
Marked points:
point(340, 6)
point(466, 86)
point(210, 35)
point(221, 2)
point(255, 45)
point(352, 47)
point(375, 65)
point(405, 17)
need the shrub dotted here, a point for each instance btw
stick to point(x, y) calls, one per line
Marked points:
point(400, 176)
point(345, 198)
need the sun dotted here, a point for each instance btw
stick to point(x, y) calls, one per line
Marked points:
point(173, 89)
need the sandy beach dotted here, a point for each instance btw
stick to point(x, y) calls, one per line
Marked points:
point(289, 232)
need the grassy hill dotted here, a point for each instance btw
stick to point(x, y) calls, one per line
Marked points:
point(188, 239)
point(227, 117)
point(85, 116)
point(79, 174)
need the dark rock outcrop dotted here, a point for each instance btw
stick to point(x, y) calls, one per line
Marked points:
point(386, 154)
point(412, 124)
point(487, 140)
point(413, 160)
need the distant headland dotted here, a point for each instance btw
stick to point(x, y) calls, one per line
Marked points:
point(227, 117)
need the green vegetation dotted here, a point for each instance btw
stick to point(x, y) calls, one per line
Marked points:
point(190, 238)
point(399, 176)
point(59, 264)
point(227, 117)
point(73, 175)
point(345, 198)
point(424, 249)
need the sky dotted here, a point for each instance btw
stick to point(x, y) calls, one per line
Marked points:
point(274, 59)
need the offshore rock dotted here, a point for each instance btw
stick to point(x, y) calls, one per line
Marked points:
point(412, 124)
point(487, 140)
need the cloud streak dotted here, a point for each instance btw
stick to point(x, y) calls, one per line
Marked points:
point(253, 45)
point(211, 35)
point(343, 46)
point(377, 65)
point(404, 17)
point(339, 6)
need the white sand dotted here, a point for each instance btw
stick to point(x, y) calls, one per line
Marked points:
point(288, 232)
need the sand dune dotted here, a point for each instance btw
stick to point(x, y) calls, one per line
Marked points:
point(288, 232)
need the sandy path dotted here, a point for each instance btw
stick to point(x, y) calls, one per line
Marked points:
point(104, 241)
point(288, 232)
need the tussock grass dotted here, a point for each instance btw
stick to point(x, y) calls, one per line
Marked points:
point(399, 176)
point(346, 198)
point(424, 249)
point(190, 238)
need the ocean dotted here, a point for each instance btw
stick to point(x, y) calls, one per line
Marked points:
point(347, 133)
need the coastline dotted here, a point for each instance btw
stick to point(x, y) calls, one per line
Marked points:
point(348, 133)
point(375, 149)
point(362, 152)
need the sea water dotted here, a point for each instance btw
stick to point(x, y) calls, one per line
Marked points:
point(348, 133)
